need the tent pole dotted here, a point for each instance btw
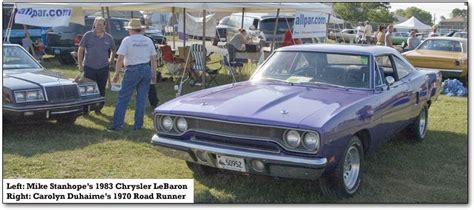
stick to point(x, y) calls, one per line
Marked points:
point(243, 13)
point(184, 27)
point(204, 59)
point(174, 34)
point(275, 30)
point(108, 20)
point(103, 11)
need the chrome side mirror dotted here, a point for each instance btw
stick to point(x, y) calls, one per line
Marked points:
point(390, 80)
point(252, 28)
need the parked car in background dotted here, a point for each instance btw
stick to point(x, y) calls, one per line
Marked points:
point(344, 36)
point(262, 24)
point(308, 112)
point(156, 35)
point(31, 93)
point(447, 54)
point(399, 37)
point(460, 35)
point(63, 40)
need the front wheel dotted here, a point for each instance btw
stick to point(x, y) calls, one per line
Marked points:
point(418, 129)
point(201, 170)
point(346, 178)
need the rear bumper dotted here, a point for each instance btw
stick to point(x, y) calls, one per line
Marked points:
point(278, 165)
point(448, 73)
point(50, 111)
point(59, 50)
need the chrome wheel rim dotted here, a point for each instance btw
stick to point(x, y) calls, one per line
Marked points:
point(351, 167)
point(422, 123)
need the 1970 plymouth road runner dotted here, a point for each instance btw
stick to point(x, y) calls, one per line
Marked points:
point(309, 112)
point(30, 93)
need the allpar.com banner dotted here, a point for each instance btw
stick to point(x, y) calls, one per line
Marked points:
point(310, 25)
point(45, 17)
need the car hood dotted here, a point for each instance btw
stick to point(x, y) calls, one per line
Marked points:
point(35, 79)
point(266, 103)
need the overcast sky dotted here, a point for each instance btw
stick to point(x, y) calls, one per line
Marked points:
point(440, 9)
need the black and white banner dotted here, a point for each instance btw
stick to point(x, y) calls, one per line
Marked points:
point(44, 17)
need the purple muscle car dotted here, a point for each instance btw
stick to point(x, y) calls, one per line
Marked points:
point(309, 112)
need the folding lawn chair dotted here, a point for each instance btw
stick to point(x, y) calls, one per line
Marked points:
point(199, 65)
point(173, 64)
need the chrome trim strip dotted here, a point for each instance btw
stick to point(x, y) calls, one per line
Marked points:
point(35, 107)
point(281, 144)
point(292, 160)
point(67, 111)
point(441, 70)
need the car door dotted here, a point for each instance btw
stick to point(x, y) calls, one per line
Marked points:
point(394, 100)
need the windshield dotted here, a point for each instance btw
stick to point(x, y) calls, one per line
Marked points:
point(267, 26)
point(316, 68)
point(15, 58)
point(442, 45)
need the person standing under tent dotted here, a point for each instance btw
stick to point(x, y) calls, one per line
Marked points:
point(137, 54)
point(27, 43)
point(236, 44)
point(368, 32)
point(413, 41)
point(388, 36)
point(380, 36)
point(93, 56)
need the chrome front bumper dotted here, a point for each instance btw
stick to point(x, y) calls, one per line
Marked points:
point(278, 165)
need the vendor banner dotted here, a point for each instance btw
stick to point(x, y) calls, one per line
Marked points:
point(310, 25)
point(44, 17)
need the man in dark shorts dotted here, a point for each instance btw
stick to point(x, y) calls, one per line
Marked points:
point(93, 55)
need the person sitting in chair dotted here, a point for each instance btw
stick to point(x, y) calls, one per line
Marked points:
point(237, 44)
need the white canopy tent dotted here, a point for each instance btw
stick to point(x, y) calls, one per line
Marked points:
point(204, 7)
point(413, 23)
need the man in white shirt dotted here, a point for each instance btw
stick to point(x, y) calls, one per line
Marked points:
point(360, 33)
point(136, 53)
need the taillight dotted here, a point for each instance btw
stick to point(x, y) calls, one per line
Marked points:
point(457, 63)
point(77, 40)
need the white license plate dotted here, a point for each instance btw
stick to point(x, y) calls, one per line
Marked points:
point(57, 52)
point(231, 163)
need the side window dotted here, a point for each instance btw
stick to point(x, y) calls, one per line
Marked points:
point(115, 26)
point(402, 68)
point(384, 64)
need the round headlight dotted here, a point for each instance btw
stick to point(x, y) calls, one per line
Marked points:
point(293, 138)
point(181, 124)
point(167, 123)
point(311, 141)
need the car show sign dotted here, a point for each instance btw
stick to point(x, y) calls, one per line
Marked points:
point(45, 17)
point(310, 25)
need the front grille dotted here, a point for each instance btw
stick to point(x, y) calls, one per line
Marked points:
point(237, 143)
point(62, 93)
point(236, 130)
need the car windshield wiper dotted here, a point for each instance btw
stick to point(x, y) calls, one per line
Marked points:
point(278, 80)
point(319, 84)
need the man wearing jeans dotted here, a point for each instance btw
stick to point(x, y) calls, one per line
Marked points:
point(93, 55)
point(136, 53)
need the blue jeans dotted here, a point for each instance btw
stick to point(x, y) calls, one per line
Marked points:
point(136, 77)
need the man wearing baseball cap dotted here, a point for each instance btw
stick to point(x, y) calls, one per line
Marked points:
point(135, 54)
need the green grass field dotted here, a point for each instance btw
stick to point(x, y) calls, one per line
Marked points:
point(434, 171)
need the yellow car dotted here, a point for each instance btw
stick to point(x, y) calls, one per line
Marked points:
point(447, 54)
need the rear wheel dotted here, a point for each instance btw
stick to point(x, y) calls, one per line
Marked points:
point(201, 170)
point(346, 178)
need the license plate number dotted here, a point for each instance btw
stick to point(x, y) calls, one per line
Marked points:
point(57, 52)
point(231, 163)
